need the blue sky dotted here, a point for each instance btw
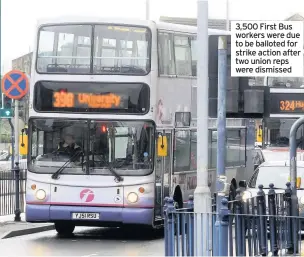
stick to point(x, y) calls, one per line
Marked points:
point(19, 17)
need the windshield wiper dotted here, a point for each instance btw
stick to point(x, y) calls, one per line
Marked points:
point(110, 167)
point(115, 174)
point(57, 173)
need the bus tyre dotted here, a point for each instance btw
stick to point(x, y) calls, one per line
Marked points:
point(64, 229)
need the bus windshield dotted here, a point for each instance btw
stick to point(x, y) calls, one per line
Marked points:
point(116, 49)
point(276, 133)
point(90, 147)
point(285, 82)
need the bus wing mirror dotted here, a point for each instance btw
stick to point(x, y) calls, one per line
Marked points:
point(162, 146)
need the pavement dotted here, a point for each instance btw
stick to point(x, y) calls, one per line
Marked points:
point(9, 228)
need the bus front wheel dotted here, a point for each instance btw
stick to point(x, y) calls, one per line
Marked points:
point(64, 228)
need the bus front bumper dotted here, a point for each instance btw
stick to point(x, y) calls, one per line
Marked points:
point(108, 216)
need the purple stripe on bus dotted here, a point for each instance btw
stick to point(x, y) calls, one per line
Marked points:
point(37, 212)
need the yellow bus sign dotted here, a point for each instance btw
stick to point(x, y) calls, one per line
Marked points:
point(23, 144)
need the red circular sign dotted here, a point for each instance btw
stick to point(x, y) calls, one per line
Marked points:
point(15, 84)
point(87, 195)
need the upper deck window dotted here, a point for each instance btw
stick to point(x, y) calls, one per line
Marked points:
point(94, 49)
point(121, 49)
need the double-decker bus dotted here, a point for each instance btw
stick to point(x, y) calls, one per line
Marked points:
point(112, 123)
point(286, 93)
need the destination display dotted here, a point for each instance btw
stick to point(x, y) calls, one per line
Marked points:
point(288, 103)
point(64, 99)
point(84, 97)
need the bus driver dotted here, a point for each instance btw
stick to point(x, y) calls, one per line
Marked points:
point(69, 146)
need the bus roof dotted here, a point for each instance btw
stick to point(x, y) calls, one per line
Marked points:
point(188, 29)
point(126, 21)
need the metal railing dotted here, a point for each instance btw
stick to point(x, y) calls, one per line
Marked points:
point(257, 226)
point(12, 191)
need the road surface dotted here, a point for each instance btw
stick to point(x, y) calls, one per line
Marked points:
point(86, 242)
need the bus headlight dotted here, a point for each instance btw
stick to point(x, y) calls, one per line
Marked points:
point(302, 200)
point(246, 195)
point(132, 197)
point(40, 194)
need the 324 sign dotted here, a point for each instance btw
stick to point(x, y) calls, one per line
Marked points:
point(291, 105)
point(288, 103)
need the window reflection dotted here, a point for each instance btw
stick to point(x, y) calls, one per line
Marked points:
point(185, 152)
point(128, 146)
point(278, 130)
point(64, 49)
point(54, 142)
point(117, 49)
point(285, 82)
point(182, 152)
point(121, 49)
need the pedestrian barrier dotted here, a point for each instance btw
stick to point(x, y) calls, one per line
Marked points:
point(12, 191)
point(266, 223)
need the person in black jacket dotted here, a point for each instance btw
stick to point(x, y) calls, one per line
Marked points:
point(69, 147)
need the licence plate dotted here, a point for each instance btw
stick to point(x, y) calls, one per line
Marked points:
point(85, 216)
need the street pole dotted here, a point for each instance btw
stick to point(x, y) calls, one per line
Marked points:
point(221, 141)
point(147, 9)
point(12, 144)
point(293, 177)
point(16, 131)
point(202, 195)
point(17, 169)
point(227, 15)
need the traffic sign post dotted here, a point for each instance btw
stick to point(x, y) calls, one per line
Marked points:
point(15, 85)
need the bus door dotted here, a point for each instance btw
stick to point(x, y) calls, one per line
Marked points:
point(163, 168)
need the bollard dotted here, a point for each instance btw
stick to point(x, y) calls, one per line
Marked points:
point(262, 222)
point(288, 226)
point(170, 223)
point(248, 224)
point(17, 183)
point(166, 225)
point(295, 222)
point(190, 226)
point(239, 251)
point(191, 203)
point(272, 220)
point(223, 231)
point(254, 223)
point(213, 224)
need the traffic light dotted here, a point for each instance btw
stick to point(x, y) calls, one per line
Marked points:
point(6, 102)
point(6, 108)
point(6, 113)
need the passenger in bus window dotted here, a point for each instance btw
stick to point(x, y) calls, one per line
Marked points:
point(69, 146)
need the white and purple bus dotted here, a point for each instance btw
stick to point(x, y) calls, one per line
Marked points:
point(112, 123)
